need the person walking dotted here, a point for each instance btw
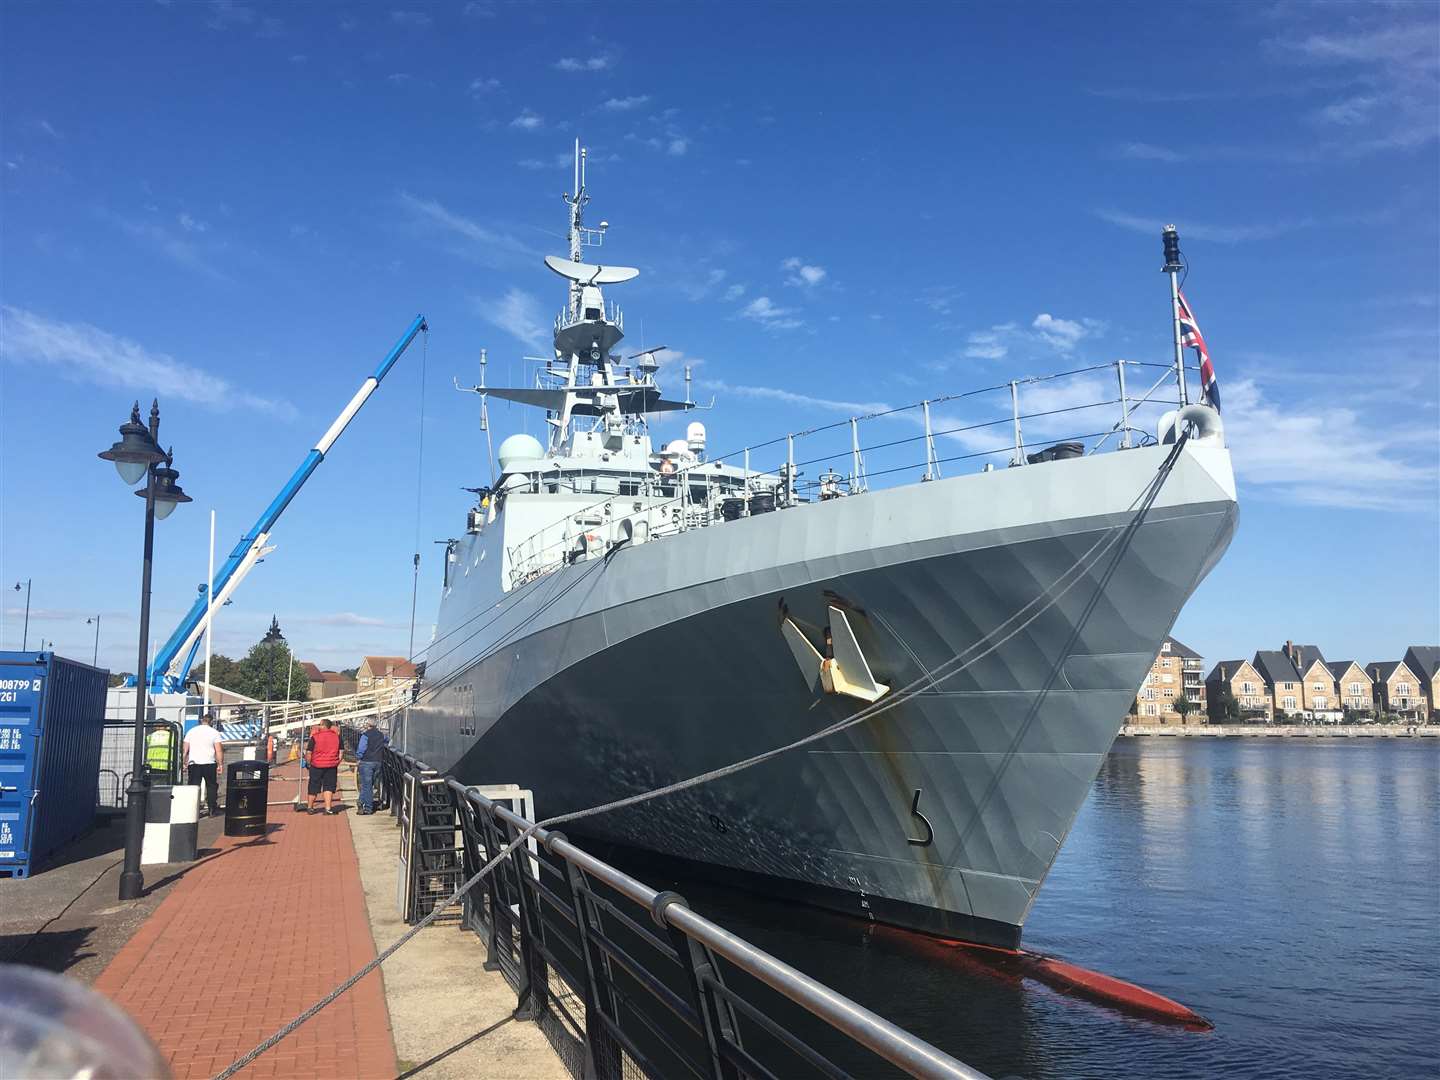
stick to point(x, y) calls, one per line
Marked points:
point(368, 754)
point(322, 758)
point(204, 755)
point(159, 754)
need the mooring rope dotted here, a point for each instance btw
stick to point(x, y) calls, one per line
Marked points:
point(943, 672)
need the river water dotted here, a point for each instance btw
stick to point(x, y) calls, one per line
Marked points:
point(1288, 890)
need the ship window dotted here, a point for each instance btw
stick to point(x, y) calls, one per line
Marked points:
point(592, 313)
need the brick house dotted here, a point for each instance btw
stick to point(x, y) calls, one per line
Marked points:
point(1318, 698)
point(1245, 684)
point(1282, 681)
point(1424, 663)
point(326, 684)
point(382, 671)
point(1352, 686)
point(1397, 689)
point(1175, 671)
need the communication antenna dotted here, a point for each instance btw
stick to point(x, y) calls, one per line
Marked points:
point(1173, 265)
point(485, 417)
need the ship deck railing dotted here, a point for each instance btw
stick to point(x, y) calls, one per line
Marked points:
point(1008, 424)
point(625, 980)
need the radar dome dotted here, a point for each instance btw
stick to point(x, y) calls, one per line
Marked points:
point(695, 436)
point(677, 448)
point(519, 448)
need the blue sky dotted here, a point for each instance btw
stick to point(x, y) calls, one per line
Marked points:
point(239, 206)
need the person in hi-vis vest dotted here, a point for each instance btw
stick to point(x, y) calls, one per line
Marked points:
point(159, 753)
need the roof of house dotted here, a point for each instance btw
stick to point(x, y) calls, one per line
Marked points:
point(1423, 660)
point(1308, 655)
point(1275, 667)
point(1339, 667)
point(1230, 666)
point(334, 676)
point(312, 671)
point(1181, 650)
point(1385, 668)
point(394, 666)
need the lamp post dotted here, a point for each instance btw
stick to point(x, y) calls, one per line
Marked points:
point(137, 455)
point(95, 659)
point(25, 640)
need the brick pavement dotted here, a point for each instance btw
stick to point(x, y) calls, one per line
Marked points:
point(250, 937)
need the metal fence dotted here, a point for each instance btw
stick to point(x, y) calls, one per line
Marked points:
point(629, 982)
point(1011, 424)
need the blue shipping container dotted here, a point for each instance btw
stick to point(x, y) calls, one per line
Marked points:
point(52, 716)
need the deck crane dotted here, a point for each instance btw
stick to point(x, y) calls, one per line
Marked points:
point(168, 672)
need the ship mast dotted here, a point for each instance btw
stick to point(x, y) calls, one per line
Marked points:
point(577, 232)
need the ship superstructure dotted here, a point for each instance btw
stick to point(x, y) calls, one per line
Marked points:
point(620, 615)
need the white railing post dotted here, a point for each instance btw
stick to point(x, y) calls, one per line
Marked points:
point(789, 470)
point(857, 464)
point(932, 465)
point(747, 481)
point(1019, 458)
point(1124, 407)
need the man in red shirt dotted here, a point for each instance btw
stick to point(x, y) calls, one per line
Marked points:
point(322, 758)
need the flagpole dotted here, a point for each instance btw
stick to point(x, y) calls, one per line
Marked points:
point(1172, 267)
point(209, 609)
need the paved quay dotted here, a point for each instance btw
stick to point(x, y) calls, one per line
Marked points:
point(451, 1018)
point(249, 938)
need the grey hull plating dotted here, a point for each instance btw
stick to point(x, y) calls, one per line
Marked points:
point(618, 676)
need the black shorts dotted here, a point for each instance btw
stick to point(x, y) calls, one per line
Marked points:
point(322, 779)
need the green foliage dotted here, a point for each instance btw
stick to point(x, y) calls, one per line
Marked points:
point(262, 674)
point(350, 673)
point(224, 672)
point(117, 678)
point(1182, 705)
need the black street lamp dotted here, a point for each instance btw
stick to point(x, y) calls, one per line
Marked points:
point(95, 659)
point(137, 454)
point(25, 640)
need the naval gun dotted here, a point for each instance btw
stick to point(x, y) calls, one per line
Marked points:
point(168, 671)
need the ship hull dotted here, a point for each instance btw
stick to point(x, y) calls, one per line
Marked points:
point(632, 686)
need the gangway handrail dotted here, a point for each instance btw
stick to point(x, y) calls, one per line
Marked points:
point(884, 1038)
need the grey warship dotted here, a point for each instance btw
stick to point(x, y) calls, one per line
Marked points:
point(621, 614)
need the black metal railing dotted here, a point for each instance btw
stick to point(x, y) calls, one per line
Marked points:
point(623, 980)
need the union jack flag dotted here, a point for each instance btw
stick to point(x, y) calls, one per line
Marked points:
point(1190, 335)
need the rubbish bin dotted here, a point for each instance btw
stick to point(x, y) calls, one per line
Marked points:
point(247, 788)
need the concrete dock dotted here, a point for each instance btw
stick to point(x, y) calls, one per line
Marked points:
point(221, 952)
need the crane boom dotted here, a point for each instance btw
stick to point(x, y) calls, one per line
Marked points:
point(161, 674)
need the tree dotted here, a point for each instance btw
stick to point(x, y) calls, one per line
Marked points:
point(262, 674)
point(117, 678)
point(350, 673)
point(1182, 705)
point(224, 672)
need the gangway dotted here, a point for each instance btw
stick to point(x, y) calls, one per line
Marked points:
point(249, 721)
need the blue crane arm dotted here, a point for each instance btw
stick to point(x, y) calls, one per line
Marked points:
point(168, 652)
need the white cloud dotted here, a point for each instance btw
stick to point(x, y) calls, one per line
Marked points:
point(528, 121)
point(1140, 151)
point(226, 14)
point(589, 63)
point(625, 104)
point(802, 274)
point(484, 244)
point(1220, 234)
point(520, 315)
point(1348, 111)
point(734, 292)
point(177, 247)
point(991, 344)
point(398, 78)
point(88, 354)
point(481, 86)
point(677, 146)
point(1327, 455)
point(49, 129)
point(416, 20)
point(763, 311)
point(788, 397)
point(190, 224)
point(479, 9)
point(1063, 334)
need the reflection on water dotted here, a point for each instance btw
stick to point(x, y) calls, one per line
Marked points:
point(1286, 889)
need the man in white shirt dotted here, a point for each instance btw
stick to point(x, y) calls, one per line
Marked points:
point(203, 758)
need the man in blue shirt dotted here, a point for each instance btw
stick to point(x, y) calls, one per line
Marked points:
point(367, 754)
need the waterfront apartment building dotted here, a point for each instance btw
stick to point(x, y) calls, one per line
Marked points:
point(1353, 687)
point(1424, 662)
point(1176, 672)
point(1397, 689)
point(1240, 680)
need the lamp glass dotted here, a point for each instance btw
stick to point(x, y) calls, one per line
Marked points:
point(130, 471)
point(164, 508)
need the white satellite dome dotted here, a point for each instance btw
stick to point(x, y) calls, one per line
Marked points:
point(519, 448)
point(677, 448)
point(695, 436)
